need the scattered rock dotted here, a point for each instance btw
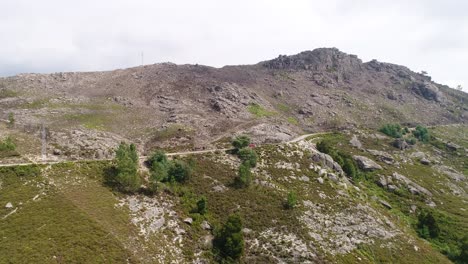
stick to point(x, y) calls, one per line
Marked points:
point(386, 204)
point(188, 220)
point(332, 177)
point(304, 179)
point(382, 156)
point(355, 142)
point(9, 205)
point(320, 180)
point(425, 161)
point(400, 144)
point(366, 164)
point(205, 225)
point(452, 146)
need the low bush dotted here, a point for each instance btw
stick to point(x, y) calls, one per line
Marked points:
point(7, 145)
point(392, 130)
point(291, 200)
point(422, 134)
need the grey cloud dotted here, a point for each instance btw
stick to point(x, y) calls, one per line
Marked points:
point(53, 35)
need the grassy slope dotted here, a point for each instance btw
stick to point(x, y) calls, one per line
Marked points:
point(50, 229)
point(77, 221)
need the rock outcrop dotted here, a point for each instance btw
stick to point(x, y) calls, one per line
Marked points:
point(366, 164)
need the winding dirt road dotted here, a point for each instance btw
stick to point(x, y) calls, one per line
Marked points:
point(184, 153)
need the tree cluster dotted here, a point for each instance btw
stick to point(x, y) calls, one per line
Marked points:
point(164, 170)
point(249, 160)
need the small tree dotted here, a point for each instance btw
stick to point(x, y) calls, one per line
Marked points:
point(248, 155)
point(229, 241)
point(179, 171)
point(459, 87)
point(11, 120)
point(244, 177)
point(127, 168)
point(201, 206)
point(241, 142)
point(291, 201)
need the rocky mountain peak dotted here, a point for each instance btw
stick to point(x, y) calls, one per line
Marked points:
point(321, 59)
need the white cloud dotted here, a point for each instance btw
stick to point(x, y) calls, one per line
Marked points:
point(53, 35)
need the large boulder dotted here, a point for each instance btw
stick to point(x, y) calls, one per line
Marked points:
point(428, 90)
point(382, 156)
point(366, 164)
point(326, 161)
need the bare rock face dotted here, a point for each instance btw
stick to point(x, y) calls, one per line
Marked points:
point(413, 187)
point(366, 164)
point(382, 156)
point(428, 91)
point(326, 161)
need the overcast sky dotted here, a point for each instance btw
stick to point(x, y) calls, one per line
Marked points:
point(87, 35)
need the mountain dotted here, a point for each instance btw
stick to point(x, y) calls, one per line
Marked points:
point(355, 162)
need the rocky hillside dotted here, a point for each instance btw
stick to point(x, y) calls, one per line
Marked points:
point(190, 106)
point(356, 163)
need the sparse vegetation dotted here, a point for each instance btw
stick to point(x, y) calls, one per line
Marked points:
point(11, 120)
point(7, 144)
point(258, 111)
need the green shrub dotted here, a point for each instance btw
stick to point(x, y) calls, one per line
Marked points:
point(350, 168)
point(463, 255)
point(201, 206)
point(291, 201)
point(179, 171)
point(422, 134)
point(248, 155)
point(241, 142)
point(392, 130)
point(229, 241)
point(127, 177)
point(244, 177)
point(159, 166)
point(427, 226)
point(7, 145)
point(411, 140)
